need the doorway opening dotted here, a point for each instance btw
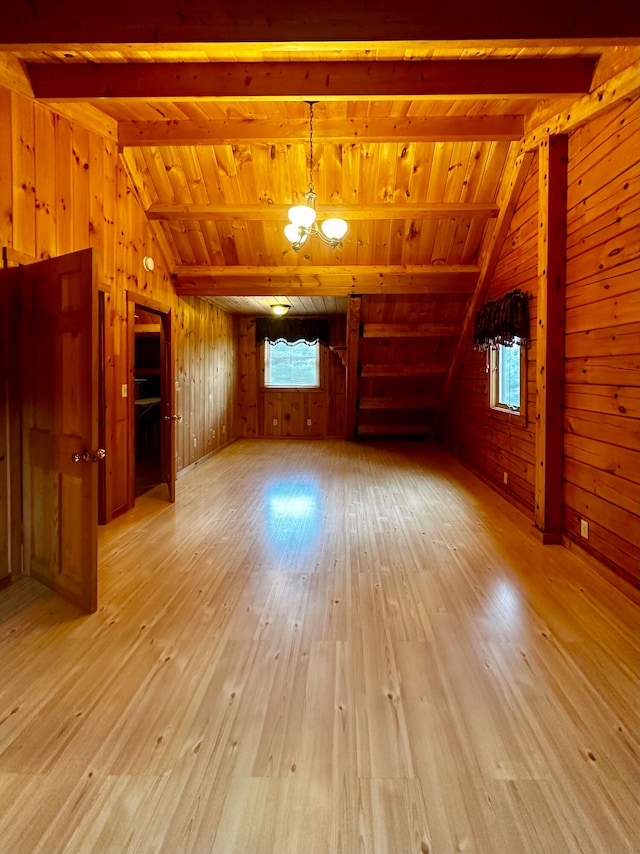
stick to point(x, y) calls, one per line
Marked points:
point(151, 397)
point(147, 400)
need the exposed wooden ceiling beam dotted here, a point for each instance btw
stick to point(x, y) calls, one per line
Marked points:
point(90, 118)
point(246, 131)
point(518, 171)
point(284, 288)
point(276, 213)
point(249, 271)
point(624, 86)
point(155, 21)
point(14, 76)
point(323, 280)
point(382, 80)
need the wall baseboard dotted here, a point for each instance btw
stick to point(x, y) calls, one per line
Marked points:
point(199, 462)
point(611, 572)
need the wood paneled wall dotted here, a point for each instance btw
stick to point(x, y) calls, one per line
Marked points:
point(257, 407)
point(601, 466)
point(495, 442)
point(63, 188)
point(602, 345)
point(205, 377)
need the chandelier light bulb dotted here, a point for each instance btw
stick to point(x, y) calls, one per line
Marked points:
point(302, 215)
point(295, 234)
point(334, 228)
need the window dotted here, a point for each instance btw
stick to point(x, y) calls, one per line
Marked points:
point(506, 374)
point(294, 365)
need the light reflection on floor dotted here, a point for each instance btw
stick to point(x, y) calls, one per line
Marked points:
point(507, 605)
point(293, 514)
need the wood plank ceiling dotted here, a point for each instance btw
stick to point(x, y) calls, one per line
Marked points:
point(414, 145)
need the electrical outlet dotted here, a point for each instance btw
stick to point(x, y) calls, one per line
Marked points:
point(213, 434)
point(505, 477)
point(584, 529)
point(224, 428)
point(195, 442)
point(125, 390)
point(309, 422)
point(275, 422)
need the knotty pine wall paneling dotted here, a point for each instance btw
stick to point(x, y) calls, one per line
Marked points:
point(602, 345)
point(494, 442)
point(206, 377)
point(6, 168)
point(24, 176)
point(64, 193)
point(183, 390)
point(601, 465)
point(247, 420)
point(64, 188)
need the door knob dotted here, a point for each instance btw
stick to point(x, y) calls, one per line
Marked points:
point(80, 458)
point(100, 454)
point(173, 417)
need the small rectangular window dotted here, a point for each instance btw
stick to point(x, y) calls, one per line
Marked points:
point(291, 365)
point(506, 374)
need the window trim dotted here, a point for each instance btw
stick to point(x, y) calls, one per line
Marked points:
point(500, 410)
point(290, 389)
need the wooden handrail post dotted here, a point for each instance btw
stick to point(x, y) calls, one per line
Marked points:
point(353, 341)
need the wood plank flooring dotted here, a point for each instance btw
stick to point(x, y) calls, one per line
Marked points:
point(323, 647)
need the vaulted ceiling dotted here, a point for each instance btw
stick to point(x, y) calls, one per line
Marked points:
point(415, 139)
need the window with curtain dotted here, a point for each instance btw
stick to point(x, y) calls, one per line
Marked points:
point(294, 365)
point(291, 350)
point(501, 330)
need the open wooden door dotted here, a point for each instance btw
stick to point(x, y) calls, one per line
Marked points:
point(59, 340)
point(169, 417)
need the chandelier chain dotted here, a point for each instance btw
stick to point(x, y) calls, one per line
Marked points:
point(311, 103)
point(302, 217)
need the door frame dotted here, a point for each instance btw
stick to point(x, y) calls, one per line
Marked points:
point(11, 414)
point(167, 383)
point(105, 396)
point(10, 421)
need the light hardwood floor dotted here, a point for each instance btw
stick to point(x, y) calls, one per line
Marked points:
point(323, 647)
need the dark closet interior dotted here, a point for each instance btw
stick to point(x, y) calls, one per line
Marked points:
point(147, 401)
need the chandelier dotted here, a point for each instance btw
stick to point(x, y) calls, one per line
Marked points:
point(302, 218)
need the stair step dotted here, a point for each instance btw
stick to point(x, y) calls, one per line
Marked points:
point(393, 430)
point(428, 370)
point(397, 403)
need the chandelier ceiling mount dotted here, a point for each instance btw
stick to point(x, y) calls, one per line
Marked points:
point(302, 218)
